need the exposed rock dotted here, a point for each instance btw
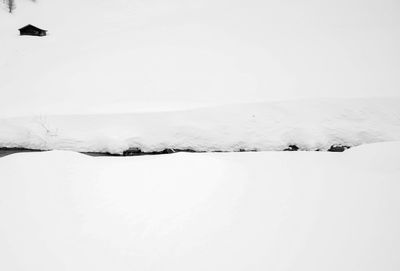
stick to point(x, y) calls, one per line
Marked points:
point(338, 148)
point(292, 148)
point(136, 151)
point(132, 152)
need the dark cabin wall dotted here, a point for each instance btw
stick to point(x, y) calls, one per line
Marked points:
point(32, 32)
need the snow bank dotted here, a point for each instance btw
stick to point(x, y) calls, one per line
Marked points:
point(298, 211)
point(310, 125)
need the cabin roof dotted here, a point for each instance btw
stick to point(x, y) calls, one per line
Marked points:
point(29, 26)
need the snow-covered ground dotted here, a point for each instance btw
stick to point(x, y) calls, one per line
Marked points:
point(297, 211)
point(205, 75)
point(133, 55)
point(146, 65)
point(310, 125)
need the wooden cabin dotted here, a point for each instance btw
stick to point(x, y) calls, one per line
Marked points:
point(32, 30)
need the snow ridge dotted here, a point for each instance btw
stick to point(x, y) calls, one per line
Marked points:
point(310, 125)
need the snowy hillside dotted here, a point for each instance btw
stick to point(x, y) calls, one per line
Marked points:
point(145, 65)
point(134, 54)
point(233, 78)
point(303, 211)
point(310, 125)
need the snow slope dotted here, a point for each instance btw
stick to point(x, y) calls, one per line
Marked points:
point(311, 125)
point(111, 76)
point(141, 55)
point(300, 211)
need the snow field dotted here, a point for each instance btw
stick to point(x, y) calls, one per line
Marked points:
point(238, 211)
point(135, 54)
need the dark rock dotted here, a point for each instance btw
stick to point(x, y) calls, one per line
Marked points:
point(338, 148)
point(292, 148)
point(186, 150)
point(132, 152)
point(165, 151)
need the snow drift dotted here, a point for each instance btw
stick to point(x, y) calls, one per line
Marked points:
point(303, 211)
point(310, 125)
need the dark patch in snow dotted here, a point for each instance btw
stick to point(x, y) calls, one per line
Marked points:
point(338, 148)
point(100, 154)
point(8, 151)
point(291, 148)
point(132, 152)
point(137, 151)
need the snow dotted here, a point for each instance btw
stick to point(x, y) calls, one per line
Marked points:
point(136, 72)
point(142, 55)
point(308, 124)
point(62, 210)
point(206, 75)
